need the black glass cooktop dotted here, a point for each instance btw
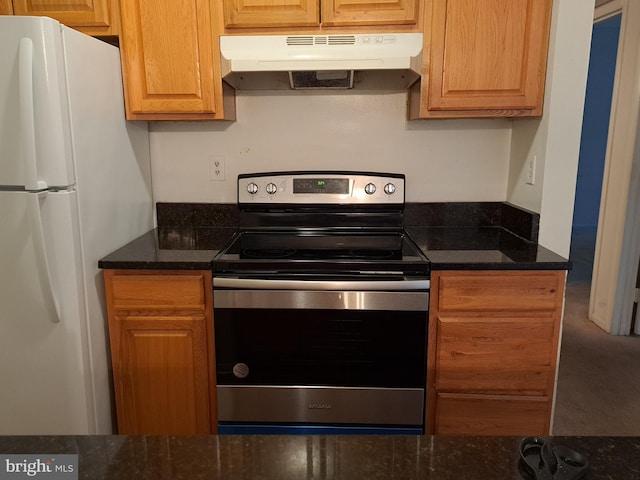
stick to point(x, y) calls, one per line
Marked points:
point(391, 250)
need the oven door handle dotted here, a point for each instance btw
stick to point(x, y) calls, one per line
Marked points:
point(321, 285)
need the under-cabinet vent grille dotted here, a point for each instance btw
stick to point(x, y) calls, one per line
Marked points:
point(322, 40)
point(342, 40)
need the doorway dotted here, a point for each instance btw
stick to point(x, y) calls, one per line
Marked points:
point(593, 146)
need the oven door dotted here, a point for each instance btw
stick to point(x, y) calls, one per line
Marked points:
point(321, 354)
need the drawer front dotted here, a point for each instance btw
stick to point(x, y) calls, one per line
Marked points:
point(491, 415)
point(496, 355)
point(499, 291)
point(157, 292)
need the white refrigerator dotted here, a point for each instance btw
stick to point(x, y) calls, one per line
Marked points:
point(75, 184)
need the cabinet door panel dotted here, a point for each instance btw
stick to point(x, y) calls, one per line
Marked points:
point(496, 355)
point(488, 54)
point(278, 13)
point(369, 12)
point(168, 56)
point(6, 7)
point(94, 17)
point(491, 415)
point(163, 387)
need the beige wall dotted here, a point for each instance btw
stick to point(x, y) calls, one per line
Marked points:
point(444, 160)
point(555, 139)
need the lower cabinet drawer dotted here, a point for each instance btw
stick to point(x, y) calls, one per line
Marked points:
point(499, 291)
point(499, 356)
point(466, 414)
point(154, 292)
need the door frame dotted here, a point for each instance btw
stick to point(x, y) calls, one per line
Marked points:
point(617, 251)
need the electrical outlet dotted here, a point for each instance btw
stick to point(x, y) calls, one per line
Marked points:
point(216, 167)
point(531, 170)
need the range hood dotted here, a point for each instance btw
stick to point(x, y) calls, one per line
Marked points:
point(336, 61)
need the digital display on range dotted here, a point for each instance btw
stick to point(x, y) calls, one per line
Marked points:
point(321, 185)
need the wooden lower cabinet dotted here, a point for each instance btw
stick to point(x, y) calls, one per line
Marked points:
point(465, 414)
point(162, 348)
point(493, 349)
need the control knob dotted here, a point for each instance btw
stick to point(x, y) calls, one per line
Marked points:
point(252, 188)
point(389, 189)
point(271, 188)
point(369, 189)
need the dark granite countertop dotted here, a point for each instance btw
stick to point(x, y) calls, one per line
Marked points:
point(250, 457)
point(465, 236)
point(483, 248)
point(171, 248)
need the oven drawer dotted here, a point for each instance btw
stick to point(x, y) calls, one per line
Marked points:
point(321, 405)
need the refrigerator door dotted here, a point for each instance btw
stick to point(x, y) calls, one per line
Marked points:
point(35, 138)
point(44, 363)
point(113, 178)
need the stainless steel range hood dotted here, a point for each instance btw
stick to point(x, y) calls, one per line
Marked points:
point(364, 61)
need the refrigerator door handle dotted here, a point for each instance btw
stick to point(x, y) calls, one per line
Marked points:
point(44, 271)
point(27, 117)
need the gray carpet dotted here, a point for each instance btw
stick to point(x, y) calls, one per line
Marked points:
point(598, 390)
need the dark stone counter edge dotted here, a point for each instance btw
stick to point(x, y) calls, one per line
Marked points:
point(276, 457)
point(158, 265)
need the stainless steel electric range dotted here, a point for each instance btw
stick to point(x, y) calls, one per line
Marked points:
point(321, 308)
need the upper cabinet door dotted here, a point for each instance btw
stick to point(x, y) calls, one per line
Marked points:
point(276, 13)
point(167, 54)
point(369, 12)
point(6, 7)
point(487, 54)
point(93, 17)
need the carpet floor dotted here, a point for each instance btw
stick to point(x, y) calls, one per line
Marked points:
point(598, 390)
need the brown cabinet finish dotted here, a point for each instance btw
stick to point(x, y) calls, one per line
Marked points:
point(483, 58)
point(493, 348)
point(162, 349)
point(6, 7)
point(315, 14)
point(458, 414)
point(258, 13)
point(93, 17)
point(171, 62)
point(341, 13)
point(495, 355)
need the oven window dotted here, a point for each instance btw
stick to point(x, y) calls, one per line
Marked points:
point(348, 348)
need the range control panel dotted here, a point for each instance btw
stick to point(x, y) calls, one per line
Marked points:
point(321, 188)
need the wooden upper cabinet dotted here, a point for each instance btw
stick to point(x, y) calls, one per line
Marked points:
point(93, 17)
point(484, 58)
point(170, 65)
point(278, 13)
point(6, 7)
point(317, 13)
point(369, 12)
